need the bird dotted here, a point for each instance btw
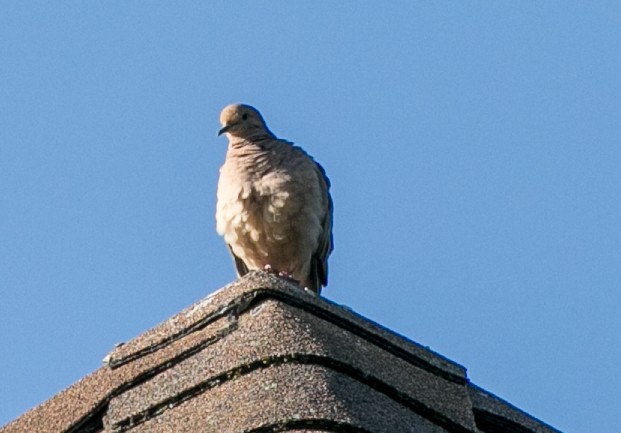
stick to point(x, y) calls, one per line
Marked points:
point(274, 208)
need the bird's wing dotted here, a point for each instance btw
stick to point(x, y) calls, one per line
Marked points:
point(240, 266)
point(319, 260)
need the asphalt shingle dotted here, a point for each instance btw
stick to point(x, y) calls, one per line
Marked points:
point(262, 355)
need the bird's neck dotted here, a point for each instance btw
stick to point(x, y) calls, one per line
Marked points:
point(255, 143)
point(256, 156)
point(257, 137)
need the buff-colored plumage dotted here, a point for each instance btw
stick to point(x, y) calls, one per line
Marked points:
point(274, 208)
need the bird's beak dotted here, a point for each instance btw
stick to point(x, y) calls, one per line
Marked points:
point(225, 129)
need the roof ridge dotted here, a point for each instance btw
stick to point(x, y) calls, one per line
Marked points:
point(336, 314)
point(283, 356)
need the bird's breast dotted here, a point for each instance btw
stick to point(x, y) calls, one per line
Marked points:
point(264, 210)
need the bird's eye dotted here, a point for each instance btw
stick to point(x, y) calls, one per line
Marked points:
point(245, 116)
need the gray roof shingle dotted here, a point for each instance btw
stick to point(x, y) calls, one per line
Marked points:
point(261, 355)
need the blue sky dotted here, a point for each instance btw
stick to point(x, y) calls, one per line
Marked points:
point(474, 150)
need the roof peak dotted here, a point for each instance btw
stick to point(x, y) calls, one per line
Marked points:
point(282, 357)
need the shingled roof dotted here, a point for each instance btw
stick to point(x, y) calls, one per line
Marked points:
point(261, 355)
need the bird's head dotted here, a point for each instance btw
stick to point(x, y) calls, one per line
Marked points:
point(243, 121)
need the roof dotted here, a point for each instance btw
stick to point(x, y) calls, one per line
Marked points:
point(261, 355)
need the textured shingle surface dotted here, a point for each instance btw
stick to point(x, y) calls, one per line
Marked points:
point(261, 355)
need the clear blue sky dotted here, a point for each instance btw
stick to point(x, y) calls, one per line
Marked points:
point(474, 150)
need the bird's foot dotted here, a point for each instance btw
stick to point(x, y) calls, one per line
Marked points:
point(289, 277)
point(282, 274)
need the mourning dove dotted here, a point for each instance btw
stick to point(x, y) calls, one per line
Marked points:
point(274, 209)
